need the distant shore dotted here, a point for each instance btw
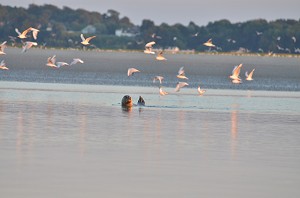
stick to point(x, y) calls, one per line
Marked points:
point(171, 51)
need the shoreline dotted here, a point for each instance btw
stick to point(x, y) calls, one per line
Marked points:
point(169, 51)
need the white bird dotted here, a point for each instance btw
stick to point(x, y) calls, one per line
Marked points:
point(236, 72)
point(249, 76)
point(258, 33)
point(159, 78)
point(3, 65)
point(28, 45)
point(76, 60)
point(162, 92)
point(201, 91)
point(85, 41)
point(160, 56)
point(196, 34)
point(181, 73)
point(180, 85)
point(294, 39)
point(23, 35)
point(51, 61)
point(2, 47)
point(131, 71)
point(209, 43)
point(148, 48)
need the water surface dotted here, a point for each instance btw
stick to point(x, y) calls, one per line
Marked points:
point(74, 140)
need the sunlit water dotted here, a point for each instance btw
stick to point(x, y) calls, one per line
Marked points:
point(64, 134)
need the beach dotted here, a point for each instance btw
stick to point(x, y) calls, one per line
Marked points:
point(63, 132)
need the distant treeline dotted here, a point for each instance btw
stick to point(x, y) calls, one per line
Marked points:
point(62, 28)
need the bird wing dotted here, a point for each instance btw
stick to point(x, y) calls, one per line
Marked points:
point(236, 71)
point(251, 73)
point(82, 37)
point(34, 33)
point(90, 38)
point(3, 44)
point(149, 45)
point(53, 59)
point(26, 31)
point(18, 32)
point(181, 71)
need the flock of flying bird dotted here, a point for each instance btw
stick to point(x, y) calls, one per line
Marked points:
point(235, 76)
point(51, 61)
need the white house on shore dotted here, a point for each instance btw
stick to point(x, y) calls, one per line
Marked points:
point(132, 32)
point(90, 29)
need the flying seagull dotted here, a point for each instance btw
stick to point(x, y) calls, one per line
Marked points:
point(209, 43)
point(159, 78)
point(181, 73)
point(76, 60)
point(148, 48)
point(201, 91)
point(85, 41)
point(180, 85)
point(131, 71)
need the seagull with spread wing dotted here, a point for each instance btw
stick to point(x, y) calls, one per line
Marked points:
point(131, 71)
point(181, 73)
point(85, 41)
point(148, 48)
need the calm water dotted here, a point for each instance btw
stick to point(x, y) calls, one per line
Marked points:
point(64, 134)
point(66, 140)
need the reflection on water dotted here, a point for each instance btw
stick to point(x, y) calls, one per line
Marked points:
point(234, 132)
point(83, 147)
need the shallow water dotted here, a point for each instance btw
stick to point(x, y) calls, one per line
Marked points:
point(74, 140)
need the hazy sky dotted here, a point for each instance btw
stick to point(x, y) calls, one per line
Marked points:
point(174, 11)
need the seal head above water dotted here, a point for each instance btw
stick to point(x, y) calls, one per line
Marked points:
point(127, 101)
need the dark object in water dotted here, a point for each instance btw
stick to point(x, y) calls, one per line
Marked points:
point(127, 101)
point(141, 101)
